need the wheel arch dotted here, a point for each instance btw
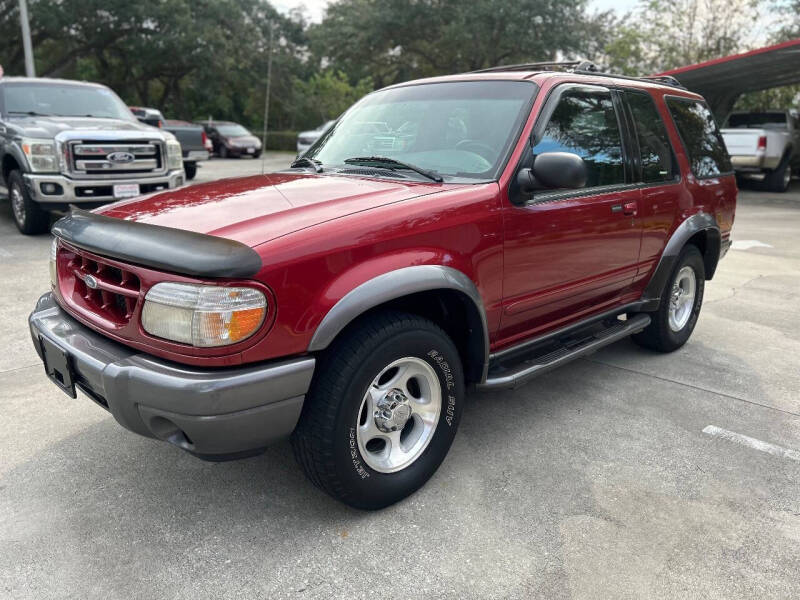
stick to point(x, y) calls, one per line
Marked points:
point(9, 164)
point(442, 294)
point(702, 230)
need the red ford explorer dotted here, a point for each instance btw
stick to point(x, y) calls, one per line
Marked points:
point(470, 231)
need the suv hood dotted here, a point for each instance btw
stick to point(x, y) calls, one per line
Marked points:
point(256, 209)
point(49, 127)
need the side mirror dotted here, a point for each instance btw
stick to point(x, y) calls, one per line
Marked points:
point(553, 170)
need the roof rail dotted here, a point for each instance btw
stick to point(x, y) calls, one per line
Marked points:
point(537, 66)
point(581, 67)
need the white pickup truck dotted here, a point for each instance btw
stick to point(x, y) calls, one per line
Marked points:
point(764, 145)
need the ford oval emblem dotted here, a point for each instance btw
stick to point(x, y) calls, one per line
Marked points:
point(121, 157)
point(90, 282)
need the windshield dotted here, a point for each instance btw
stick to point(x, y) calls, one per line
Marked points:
point(460, 129)
point(63, 100)
point(233, 130)
point(773, 120)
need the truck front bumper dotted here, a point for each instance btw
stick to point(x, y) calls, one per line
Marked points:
point(216, 414)
point(75, 191)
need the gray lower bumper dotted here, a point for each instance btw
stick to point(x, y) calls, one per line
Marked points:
point(75, 191)
point(214, 413)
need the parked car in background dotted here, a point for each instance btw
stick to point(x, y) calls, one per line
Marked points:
point(765, 145)
point(195, 144)
point(231, 140)
point(306, 138)
point(350, 300)
point(67, 142)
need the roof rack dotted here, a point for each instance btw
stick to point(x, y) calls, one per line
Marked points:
point(537, 66)
point(581, 67)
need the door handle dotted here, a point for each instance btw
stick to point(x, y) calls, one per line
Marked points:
point(630, 208)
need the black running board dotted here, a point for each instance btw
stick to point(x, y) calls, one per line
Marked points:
point(532, 367)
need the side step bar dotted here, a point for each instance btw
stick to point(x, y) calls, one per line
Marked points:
point(528, 369)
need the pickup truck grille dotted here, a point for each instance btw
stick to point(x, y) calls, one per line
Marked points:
point(96, 287)
point(114, 160)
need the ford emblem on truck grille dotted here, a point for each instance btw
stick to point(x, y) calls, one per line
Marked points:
point(90, 282)
point(121, 157)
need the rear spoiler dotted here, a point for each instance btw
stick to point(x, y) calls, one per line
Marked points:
point(162, 248)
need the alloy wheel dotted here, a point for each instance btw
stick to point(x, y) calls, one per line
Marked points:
point(399, 414)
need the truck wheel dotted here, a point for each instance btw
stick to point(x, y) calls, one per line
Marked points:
point(190, 169)
point(382, 411)
point(223, 151)
point(674, 321)
point(779, 179)
point(28, 215)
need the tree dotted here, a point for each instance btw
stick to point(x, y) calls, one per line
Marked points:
point(397, 40)
point(664, 34)
point(327, 95)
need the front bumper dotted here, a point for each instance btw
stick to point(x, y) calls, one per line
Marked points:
point(213, 413)
point(74, 191)
point(195, 155)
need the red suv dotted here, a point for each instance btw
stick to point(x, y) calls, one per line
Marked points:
point(470, 231)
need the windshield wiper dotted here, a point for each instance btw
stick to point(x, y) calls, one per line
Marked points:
point(304, 161)
point(393, 164)
point(29, 113)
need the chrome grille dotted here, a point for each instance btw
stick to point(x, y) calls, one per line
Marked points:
point(104, 159)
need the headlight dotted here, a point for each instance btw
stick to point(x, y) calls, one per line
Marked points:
point(53, 250)
point(41, 155)
point(203, 315)
point(174, 154)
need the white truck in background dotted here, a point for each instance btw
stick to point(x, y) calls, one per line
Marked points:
point(765, 146)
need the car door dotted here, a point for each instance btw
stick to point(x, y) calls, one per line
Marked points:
point(569, 253)
point(657, 172)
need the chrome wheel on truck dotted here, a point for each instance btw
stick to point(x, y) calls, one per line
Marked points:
point(382, 411)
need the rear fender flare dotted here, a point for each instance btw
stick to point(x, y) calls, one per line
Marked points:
point(391, 286)
point(698, 222)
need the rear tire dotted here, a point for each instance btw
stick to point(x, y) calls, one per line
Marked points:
point(341, 440)
point(28, 215)
point(223, 151)
point(779, 179)
point(672, 324)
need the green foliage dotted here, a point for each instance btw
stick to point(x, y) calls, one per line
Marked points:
point(328, 94)
point(397, 40)
point(664, 34)
point(775, 99)
point(282, 140)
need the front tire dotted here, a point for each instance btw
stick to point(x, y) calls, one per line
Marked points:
point(28, 215)
point(191, 170)
point(674, 321)
point(382, 411)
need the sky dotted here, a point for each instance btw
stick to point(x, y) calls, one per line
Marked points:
point(315, 8)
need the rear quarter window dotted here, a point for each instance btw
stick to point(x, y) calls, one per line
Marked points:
point(701, 138)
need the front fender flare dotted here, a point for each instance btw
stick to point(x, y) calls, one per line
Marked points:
point(390, 286)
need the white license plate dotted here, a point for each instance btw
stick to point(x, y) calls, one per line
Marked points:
point(126, 190)
point(251, 150)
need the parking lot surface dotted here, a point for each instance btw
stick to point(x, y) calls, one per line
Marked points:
point(594, 481)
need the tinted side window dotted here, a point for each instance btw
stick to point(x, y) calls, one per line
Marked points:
point(585, 123)
point(655, 150)
point(701, 138)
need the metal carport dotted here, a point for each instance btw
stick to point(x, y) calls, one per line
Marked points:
point(721, 81)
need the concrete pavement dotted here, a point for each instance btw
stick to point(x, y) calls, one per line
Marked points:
point(594, 481)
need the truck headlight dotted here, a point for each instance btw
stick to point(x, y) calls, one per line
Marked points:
point(174, 155)
point(41, 155)
point(203, 315)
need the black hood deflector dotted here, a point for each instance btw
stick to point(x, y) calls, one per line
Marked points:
point(162, 248)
